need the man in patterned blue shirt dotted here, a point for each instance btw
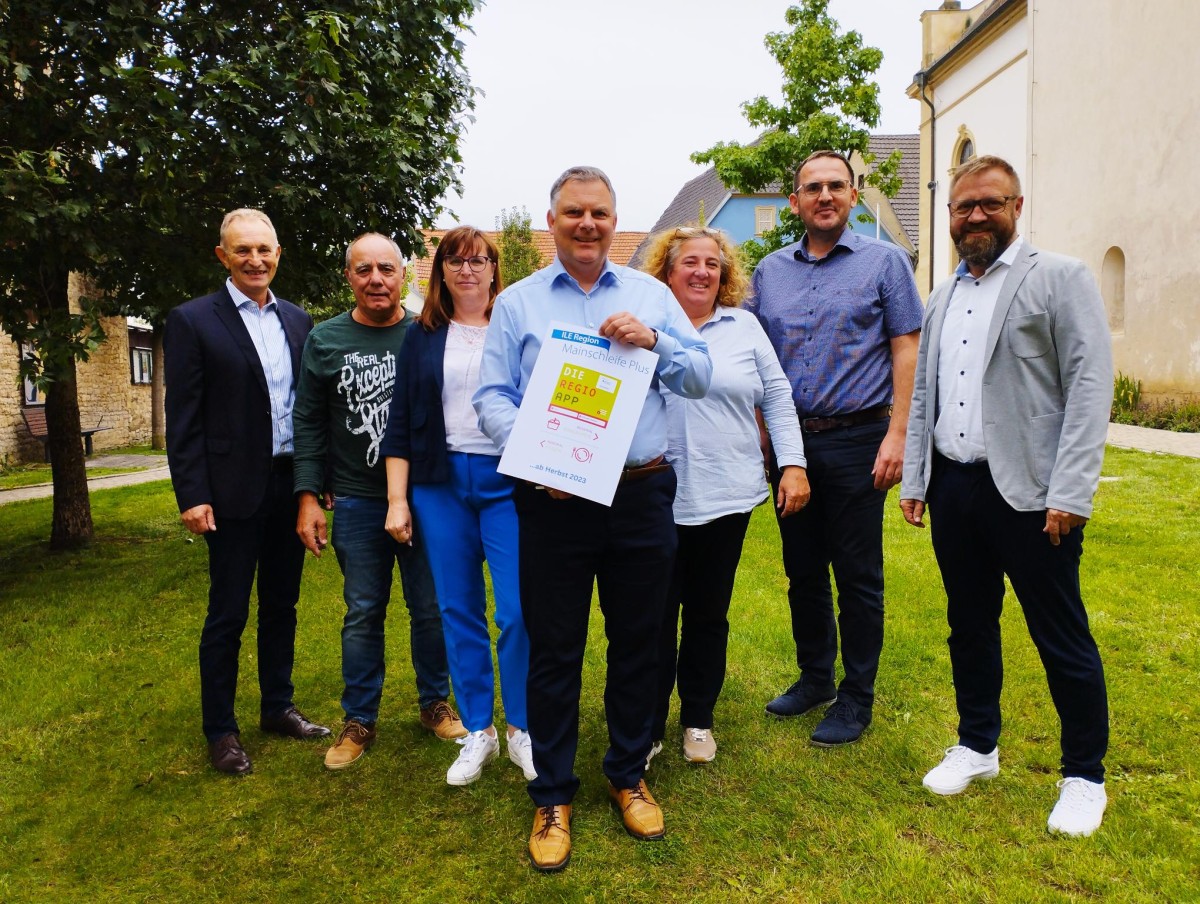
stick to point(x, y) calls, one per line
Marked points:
point(844, 316)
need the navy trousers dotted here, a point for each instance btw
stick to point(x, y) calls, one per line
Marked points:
point(627, 550)
point(979, 538)
point(841, 527)
point(267, 543)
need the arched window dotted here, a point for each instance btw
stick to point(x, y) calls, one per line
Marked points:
point(1112, 288)
point(966, 151)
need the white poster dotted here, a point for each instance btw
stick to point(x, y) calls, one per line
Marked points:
point(579, 413)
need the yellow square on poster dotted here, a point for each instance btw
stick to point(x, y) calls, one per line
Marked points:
point(587, 395)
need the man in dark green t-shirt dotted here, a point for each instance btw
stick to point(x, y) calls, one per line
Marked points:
point(347, 377)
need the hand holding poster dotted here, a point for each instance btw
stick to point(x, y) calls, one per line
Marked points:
point(579, 413)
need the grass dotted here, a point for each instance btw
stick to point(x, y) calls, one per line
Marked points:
point(105, 792)
point(35, 475)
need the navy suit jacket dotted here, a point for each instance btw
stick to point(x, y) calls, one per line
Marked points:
point(416, 427)
point(218, 409)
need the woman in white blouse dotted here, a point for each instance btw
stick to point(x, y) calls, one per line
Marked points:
point(713, 444)
point(433, 446)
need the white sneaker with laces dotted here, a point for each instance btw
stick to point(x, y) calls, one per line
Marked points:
point(699, 745)
point(655, 749)
point(478, 748)
point(1080, 807)
point(520, 751)
point(961, 766)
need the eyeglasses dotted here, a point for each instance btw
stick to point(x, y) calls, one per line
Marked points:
point(813, 189)
point(477, 263)
point(962, 209)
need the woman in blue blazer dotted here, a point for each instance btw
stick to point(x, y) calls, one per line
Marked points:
point(433, 445)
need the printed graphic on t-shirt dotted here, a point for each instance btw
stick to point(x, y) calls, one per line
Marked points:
point(367, 382)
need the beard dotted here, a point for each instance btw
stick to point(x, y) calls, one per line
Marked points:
point(982, 248)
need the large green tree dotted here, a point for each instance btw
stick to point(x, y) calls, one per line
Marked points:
point(829, 101)
point(518, 254)
point(128, 128)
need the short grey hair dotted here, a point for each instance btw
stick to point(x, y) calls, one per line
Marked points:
point(580, 174)
point(378, 235)
point(247, 213)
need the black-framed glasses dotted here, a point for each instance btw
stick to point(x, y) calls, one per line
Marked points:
point(813, 189)
point(991, 206)
point(476, 263)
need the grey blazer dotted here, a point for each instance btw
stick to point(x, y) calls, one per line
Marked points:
point(1047, 386)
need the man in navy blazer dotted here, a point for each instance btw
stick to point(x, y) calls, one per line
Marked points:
point(232, 359)
point(1005, 443)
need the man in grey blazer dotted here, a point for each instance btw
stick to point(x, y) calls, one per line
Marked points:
point(1005, 442)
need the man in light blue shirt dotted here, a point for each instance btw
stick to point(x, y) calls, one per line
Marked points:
point(567, 543)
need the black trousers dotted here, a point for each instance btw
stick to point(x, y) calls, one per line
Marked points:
point(701, 587)
point(979, 538)
point(841, 527)
point(627, 549)
point(267, 543)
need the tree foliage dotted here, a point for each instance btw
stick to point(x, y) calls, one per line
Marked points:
point(518, 254)
point(829, 101)
point(129, 127)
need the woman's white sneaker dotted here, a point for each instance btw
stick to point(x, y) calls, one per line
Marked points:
point(1080, 807)
point(520, 751)
point(478, 749)
point(961, 766)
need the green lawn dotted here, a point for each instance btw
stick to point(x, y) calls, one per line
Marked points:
point(105, 791)
point(34, 475)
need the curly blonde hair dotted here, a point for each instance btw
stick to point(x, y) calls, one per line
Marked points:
point(663, 253)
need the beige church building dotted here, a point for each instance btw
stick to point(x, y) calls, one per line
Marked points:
point(1097, 105)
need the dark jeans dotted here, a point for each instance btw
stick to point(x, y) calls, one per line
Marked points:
point(978, 538)
point(627, 550)
point(842, 527)
point(701, 587)
point(368, 556)
point(267, 543)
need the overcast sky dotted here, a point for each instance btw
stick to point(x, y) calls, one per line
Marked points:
point(634, 87)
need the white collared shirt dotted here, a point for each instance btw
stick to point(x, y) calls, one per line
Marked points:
point(958, 431)
point(265, 327)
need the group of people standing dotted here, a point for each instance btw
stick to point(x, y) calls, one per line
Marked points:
point(802, 376)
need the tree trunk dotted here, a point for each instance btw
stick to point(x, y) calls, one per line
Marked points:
point(71, 523)
point(158, 417)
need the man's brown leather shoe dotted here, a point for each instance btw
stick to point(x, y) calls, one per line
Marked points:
point(550, 841)
point(643, 817)
point(443, 721)
point(350, 745)
point(228, 756)
point(291, 723)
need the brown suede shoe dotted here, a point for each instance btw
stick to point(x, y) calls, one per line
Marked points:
point(350, 745)
point(550, 841)
point(442, 721)
point(227, 755)
point(643, 818)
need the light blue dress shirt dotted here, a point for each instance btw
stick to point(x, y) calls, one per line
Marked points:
point(523, 314)
point(713, 442)
point(270, 341)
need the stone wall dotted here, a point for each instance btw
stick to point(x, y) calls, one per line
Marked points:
point(107, 396)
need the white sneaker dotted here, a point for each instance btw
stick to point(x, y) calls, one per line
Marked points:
point(961, 766)
point(478, 748)
point(699, 745)
point(520, 751)
point(1080, 807)
point(655, 749)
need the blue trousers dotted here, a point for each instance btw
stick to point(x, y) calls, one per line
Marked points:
point(367, 556)
point(978, 538)
point(626, 549)
point(842, 527)
point(469, 519)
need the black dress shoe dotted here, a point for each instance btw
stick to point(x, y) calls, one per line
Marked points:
point(227, 755)
point(801, 698)
point(291, 723)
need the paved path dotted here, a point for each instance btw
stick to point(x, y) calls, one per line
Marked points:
point(155, 466)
